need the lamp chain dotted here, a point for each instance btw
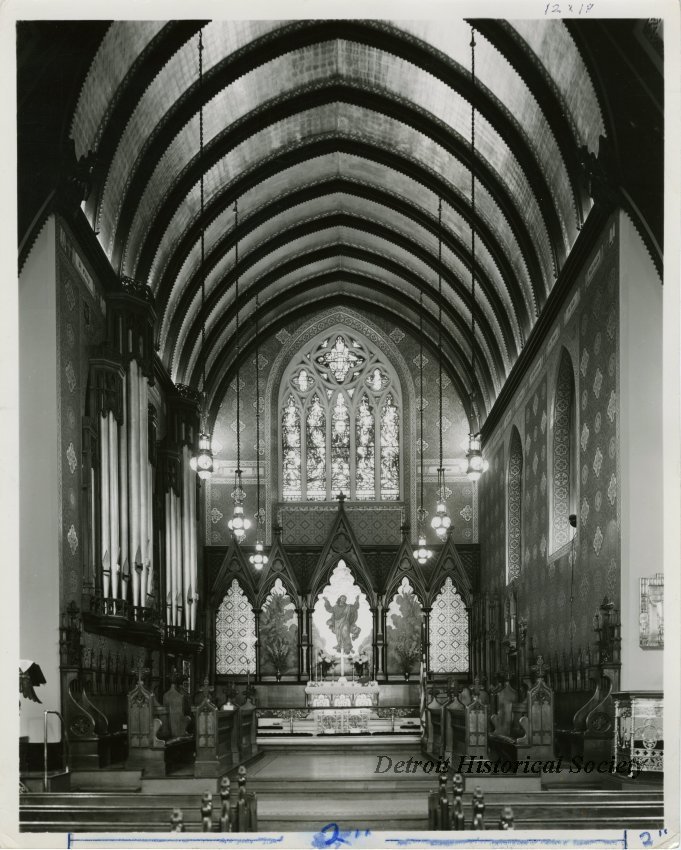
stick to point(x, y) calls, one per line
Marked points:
point(473, 219)
point(203, 241)
point(421, 386)
point(439, 320)
point(236, 336)
point(257, 410)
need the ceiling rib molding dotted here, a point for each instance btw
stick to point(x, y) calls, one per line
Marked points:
point(509, 43)
point(316, 224)
point(337, 249)
point(226, 364)
point(333, 143)
point(141, 74)
point(329, 93)
point(222, 200)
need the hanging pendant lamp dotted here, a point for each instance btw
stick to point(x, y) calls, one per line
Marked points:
point(202, 462)
point(238, 524)
point(441, 521)
point(421, 553)
point(474, 455)
point(258, 558)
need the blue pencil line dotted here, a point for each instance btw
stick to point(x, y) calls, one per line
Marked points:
point(511, 842)
point(133, 838)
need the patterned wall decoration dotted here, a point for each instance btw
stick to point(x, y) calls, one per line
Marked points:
point(588, 329)
point(235, 633)
point(80, 312)
point(448, 632)
point(491, 491)
point(514, 504)
point(564, 446)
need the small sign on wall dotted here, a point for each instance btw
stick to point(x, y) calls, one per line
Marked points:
point(651, 613)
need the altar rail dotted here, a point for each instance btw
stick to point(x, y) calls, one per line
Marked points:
point(294, 720)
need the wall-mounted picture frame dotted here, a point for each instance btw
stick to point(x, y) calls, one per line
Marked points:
point(651, 613)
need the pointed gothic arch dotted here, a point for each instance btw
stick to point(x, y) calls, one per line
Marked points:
point(389, 352)
point(564, 454)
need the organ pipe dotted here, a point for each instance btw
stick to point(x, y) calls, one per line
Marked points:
point(134, 481)
point(168, 561)
point(106, 524)
point(113, 503)
point(144, 531)
point(186, 542)
point(123, 464)
point(192, 550)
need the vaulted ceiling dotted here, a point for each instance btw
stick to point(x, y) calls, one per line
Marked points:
point(337, 140)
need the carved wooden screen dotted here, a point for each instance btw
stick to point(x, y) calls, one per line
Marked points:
point(235, 633)
point(448, 632)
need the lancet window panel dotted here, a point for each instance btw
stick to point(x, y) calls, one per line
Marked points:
point(235, 633)
point(340, 415)
point(448, 632)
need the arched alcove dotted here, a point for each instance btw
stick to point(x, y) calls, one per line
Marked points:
point(564, 454)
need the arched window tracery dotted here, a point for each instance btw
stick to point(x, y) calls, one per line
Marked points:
point(348, 399)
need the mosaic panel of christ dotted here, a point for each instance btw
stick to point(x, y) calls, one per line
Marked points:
point(341, 621)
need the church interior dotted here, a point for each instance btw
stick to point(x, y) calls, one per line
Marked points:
point(340, 389)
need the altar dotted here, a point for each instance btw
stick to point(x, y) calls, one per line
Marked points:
point(342, 694)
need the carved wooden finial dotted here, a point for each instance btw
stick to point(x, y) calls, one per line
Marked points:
point(540, 666)
point(206, 689)
point(176, 821)
point(207, 812)
point(341, 500)
point(476, 685)
point(141, 670)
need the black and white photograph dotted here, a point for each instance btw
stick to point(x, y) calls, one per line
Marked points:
point(347, 425)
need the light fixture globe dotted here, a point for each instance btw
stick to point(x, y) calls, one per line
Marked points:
point(202, 463)
point(421, 553)
point(441, 522)
point(258, 558)
point(475, 462)
point(239, 524)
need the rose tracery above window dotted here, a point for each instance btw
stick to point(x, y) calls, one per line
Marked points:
point(340, 416)
point(340, 359)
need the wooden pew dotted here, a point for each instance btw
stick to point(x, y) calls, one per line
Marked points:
point(524, 727)
point(457, 809)
point(158, 736)
point(435, 723)
point(584, 721)
point(467, 724)
point(248, 730)
point(217, 738)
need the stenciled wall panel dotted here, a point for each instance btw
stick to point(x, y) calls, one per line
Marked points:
point(587, 328)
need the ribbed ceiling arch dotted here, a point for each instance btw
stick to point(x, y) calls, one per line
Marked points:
point(338, 138)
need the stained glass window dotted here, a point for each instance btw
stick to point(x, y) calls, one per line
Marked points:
point(340, 447)
point(341, 409)
point(365, 442)
point(390, 450)
point(235, 633)
point(448, 632)
point(316, 450)
point(340, 359)
point(292, 482)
